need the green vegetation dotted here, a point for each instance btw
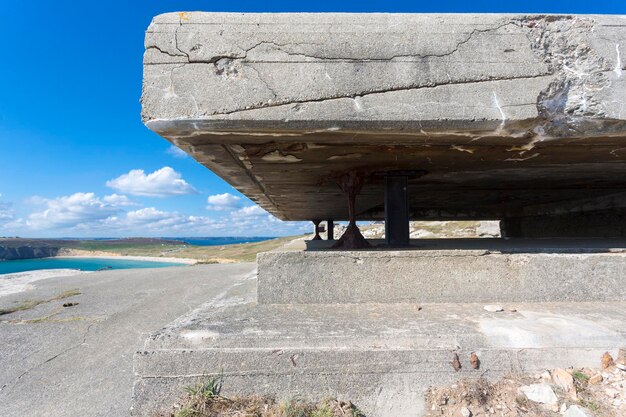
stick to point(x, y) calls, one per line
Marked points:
point(592, 405)
point(580, 377)
point(29, 304)
point(243, 252)
point(204, 400)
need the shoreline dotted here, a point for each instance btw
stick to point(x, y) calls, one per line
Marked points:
point(16, 282)
point(187, 261)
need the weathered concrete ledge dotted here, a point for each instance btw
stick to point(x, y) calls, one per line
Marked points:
point(521, 115)
point(381, 357)
point(442, 276)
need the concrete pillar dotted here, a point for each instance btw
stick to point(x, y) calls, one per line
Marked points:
point(600, 224)
point(396, 210)
point(330, 230)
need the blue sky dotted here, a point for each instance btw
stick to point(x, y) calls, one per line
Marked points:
point(75, 159)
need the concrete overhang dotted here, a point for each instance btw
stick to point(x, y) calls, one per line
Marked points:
point(496, 115)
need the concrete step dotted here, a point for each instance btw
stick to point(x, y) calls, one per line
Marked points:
point(380, 356)
point(450, 271)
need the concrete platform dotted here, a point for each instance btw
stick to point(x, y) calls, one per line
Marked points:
point(381, 357)
point(448, 271)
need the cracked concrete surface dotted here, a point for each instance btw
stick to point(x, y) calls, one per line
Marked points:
point(382, 357)
point(77, 361)
point(488, 105)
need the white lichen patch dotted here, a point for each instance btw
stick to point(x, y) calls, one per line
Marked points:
point(523, 159)
point(461, 149)
point(277, 156)
point(345, 156)
point(496, 102)
point(618, 65)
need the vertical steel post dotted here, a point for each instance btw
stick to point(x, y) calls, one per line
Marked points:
point(396, 211)
point(330, 230)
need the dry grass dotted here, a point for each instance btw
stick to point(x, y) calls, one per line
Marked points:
point(29, 304)
point(482, 397)
point(243, 252)
point(204, 400)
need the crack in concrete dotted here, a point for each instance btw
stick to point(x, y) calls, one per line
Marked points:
point(84, 339)
point(369, 93)
point(245, 51)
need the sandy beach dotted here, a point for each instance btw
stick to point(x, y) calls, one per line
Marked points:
point(21, 281)
point(187, 261)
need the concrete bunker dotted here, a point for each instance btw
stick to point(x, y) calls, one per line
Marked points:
point(518, 118)
point(395, 117)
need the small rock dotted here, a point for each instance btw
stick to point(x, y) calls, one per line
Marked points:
point(563, 408)
point(456, 363)
point(596, 379)
point(474, 361)
point(607, 360)
point(576, 411)
point(620, 366)
point(539, 393)
point(565, 381)
point(493, 308)
point(465, 412)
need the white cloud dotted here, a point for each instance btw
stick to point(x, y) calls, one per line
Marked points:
point(147, 215)
point(160, 183)
point(72, 211)
point(118, 200)
point(223, 202)
point(249, 211)
point(157, 222)
point(254, 221)
point(176, 152)
point(86, 214)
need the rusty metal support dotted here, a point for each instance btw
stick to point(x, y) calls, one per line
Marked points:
point(351, 184)
point(330, 230)
point(316, 224)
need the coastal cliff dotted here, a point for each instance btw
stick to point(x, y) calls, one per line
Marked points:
point(26, 248)
point(8, 253)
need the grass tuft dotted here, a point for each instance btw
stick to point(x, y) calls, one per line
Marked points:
point(204, 399)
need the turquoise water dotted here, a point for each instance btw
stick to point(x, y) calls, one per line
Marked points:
point(84, 264)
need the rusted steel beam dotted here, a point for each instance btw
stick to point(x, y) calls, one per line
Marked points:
point(316, 228)
point(351, 184)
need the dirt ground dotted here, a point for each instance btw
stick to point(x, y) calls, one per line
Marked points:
point(597, 392)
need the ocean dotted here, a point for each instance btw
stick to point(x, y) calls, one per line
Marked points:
point(218, 241)
point(84, 264)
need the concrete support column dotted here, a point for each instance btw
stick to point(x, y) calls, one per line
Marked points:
point(330, 230)
point(396, 210)
point(316, 229)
